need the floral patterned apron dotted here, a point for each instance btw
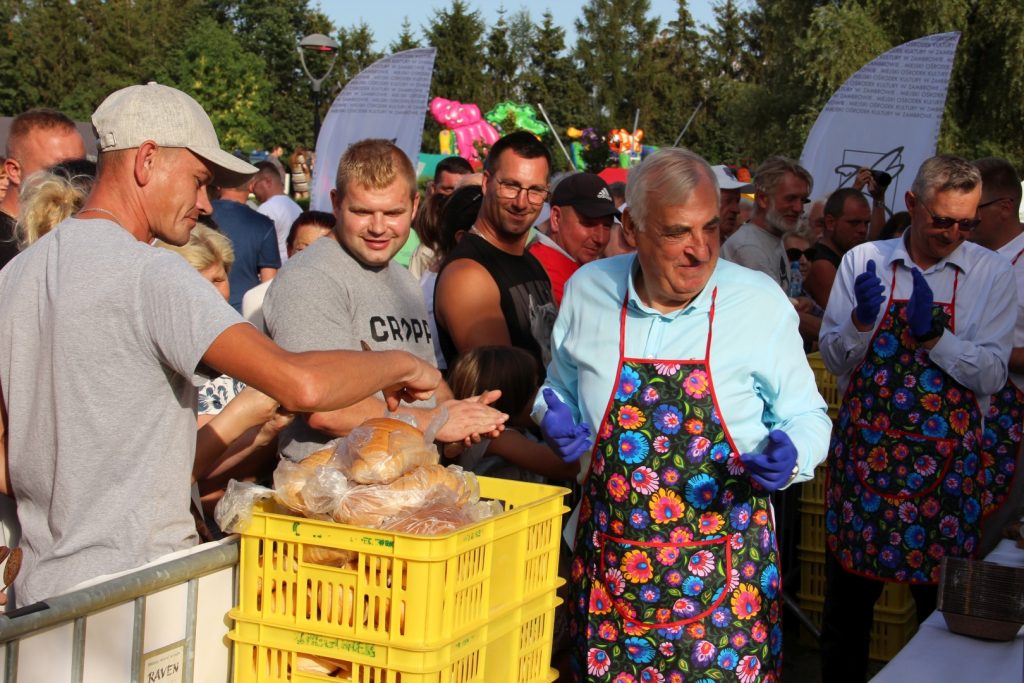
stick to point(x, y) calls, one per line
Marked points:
point(904, 473)
point(675, 574)
point(1000, 442)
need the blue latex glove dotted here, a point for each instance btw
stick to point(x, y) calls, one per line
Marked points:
point(919, 307)
point(774, 467)
point(568, 439)
point(867, 290)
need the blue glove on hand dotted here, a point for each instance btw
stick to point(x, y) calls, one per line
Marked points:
point(567, 438)
point(919, 308)
point(867, 290)
point(773, 468)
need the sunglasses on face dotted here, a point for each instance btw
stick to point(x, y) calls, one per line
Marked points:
point(945, 223)
point(794, 254)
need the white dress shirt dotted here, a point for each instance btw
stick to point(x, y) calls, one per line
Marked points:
point(974, 354)
point(1012, 250)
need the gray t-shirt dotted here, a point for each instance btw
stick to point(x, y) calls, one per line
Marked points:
point(325, 299)
point(758, 249)
point(100, 339)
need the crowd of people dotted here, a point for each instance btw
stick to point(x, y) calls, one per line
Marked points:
point(644, 344)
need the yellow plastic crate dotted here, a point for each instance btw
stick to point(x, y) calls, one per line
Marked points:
point(812, 493)
point(812, 530)
point(826, 382)
point(888, 633)
point(412, 591)
point(895, 603)
point(514, 647)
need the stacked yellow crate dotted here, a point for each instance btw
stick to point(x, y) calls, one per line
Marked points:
point(895, 618)
point(472, 606)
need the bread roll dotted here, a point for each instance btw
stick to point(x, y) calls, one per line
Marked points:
point(433, 519)
point(382, 449)
point(290, 478)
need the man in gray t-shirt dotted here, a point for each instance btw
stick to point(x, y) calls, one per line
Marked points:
point(104, 340)
point(340, 293)
point(781, 188)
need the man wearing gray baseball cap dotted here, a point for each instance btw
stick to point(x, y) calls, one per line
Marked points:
point(104, 340)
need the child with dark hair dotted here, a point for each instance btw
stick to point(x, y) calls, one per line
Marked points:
point(517, 454)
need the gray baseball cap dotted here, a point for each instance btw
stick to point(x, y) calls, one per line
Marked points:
point(130, 116)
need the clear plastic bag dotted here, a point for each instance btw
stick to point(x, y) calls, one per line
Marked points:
point(381, 450)
point(234, 510)
point(432, 519)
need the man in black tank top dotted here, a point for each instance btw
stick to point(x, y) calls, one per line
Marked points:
point(847, 219)
point(490, 290)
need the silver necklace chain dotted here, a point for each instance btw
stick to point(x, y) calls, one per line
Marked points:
point(99, 210)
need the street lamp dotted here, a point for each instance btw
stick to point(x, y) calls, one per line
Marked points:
point(317, 42)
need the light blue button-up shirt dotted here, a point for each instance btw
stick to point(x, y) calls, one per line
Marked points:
point(760, 373)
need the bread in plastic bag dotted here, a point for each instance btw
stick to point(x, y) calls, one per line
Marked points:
point(432, 519)
point(381, 450)
point(234, 510)
point(291, 478)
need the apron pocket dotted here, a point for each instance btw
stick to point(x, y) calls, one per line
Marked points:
point(899, 465)
point(661, 585)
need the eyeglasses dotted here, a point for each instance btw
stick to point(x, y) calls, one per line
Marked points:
point(945, 223)
point(991, 202)
point(794, 254)
point(510, 190)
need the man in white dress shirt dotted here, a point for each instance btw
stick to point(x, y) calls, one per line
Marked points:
point(918, 329)
point(1001, 231)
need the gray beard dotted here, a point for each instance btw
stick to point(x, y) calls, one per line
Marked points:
point(776, 222)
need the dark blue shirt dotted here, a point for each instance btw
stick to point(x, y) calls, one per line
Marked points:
point(254, 240)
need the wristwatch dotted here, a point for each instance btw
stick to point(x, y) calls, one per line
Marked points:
point(934, 332)
point(792, 476)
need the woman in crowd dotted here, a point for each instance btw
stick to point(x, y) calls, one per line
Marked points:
point(299, 163)
point(307, 228)
point(52, 195)
point(247, 420)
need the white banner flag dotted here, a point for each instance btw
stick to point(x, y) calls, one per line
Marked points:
point(886, 117)
point(388, 99)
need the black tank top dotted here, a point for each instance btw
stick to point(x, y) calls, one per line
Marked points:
point(823, 253)
point(527, 303)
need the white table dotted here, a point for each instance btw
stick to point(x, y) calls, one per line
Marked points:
point(934, 655)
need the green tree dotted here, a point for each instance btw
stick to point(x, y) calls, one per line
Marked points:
point(521, 33)
point(552, 81)
point(356, 52)
point(611, 36)
point(672, 73)
point(727, 43)
point(273, 29)
point(9, 90)
point(228, 82)
point(406, 40)
point(458, 74)
point(455, 33)
point(499, 65)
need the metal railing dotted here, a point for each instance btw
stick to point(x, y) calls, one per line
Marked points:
point(76, 607)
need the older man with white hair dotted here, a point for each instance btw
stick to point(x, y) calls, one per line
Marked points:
point(675, 550)
point(781, 189)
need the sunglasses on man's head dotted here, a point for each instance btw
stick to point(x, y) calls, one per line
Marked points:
point(794, 254)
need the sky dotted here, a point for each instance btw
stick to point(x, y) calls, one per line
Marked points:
point(385, 18)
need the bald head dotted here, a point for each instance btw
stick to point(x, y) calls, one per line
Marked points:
point(267, 182)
